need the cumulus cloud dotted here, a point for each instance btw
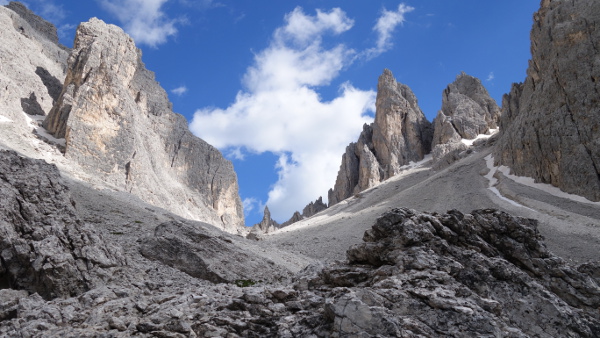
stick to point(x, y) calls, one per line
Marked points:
point(179, 90)
point(144, 20)
point(490, 77)
point(280, 111)
point(385, 26)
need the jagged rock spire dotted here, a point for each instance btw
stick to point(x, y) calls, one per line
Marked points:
point(400, 134)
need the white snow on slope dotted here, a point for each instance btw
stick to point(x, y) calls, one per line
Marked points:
point(489, 161)
point(480, 137)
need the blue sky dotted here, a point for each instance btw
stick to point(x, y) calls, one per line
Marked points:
point(281, 87)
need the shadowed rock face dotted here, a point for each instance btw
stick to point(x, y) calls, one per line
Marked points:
point(550, 125)
point(44, 246)
point(400, 134)
point(119, 125)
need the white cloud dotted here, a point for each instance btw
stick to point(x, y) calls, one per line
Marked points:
point(249, 204)
point(3, 2)
point(144, 20)
point(179, 90)
point(51, 11)
point(490, 77)
point(252, 205)
point(280, 110)
point(385, 26)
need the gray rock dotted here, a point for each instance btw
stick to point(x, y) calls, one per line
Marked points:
point(347, 177)
point(191, 248)
point(400, 134)
point(309, 210)
point(31, 105)
point(119, 126)
point(444, 131)
point(266, 225)
point(484, 273)
point(296, 217)
point(416, 274)
point(30, 56)
point(44, 246)
point(550, 126)
point(41, 27)
point(314, 208)
point(467, 111)
point(445, 154)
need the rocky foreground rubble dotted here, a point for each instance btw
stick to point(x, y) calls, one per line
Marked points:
point(484, 274)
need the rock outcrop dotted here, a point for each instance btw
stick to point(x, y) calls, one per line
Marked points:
point(416, 274)
point(33, 64)
point(550, 126)
point(266, 225)
point(193, 250)
point(467, 111)
point(400, 134)
point(313, 208)
point(44, 247)
point(119, 125)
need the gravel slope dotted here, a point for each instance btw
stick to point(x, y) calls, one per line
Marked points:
point(571, 229)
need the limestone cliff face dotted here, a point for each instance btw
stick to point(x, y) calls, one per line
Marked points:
point(400, 134)
point(32, 65)
point(550, 126)
point(118, 124)
point(467, 111)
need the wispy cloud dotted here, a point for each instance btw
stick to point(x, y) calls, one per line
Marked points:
point(385, 26)
point(50, 11)
point(144, 20)
point(179, 90)
point(280, 111)
point(252, 205)
point(3, 2)
point(490, 77)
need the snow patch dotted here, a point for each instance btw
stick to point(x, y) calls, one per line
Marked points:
point(4, 119)
point(34, 122)
point(412, 165)
point(480, 136)
point(530, 182)
point(489, 161)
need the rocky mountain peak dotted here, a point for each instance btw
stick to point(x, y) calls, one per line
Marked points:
point(118, 124)
point(467, 111)
point(399, 134)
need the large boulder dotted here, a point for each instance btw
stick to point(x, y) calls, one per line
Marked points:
point(461, 275)
point(550, 125)
point(199, 252)
point(119, 126)
point(44, 246)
